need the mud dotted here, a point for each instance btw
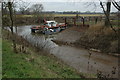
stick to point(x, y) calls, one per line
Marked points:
point(82, 60)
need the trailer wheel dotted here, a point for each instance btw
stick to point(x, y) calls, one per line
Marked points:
point(33, 30)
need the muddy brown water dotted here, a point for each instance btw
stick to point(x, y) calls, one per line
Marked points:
point(77, 58)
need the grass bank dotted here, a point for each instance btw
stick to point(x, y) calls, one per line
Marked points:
point(96, 38)
point(32, 64)
point(100, 37)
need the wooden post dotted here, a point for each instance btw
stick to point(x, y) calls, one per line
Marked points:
point(54, 18)
point(39, 20)
point(96, 19)
point(74, 21)
point(83, 21)
point(100, 18)
point(89, 19)
point(65, 20)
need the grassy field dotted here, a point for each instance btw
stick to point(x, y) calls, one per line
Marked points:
point(62, 15)
point(65, 15)
point(17, 65)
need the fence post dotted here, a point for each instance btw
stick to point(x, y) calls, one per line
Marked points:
point(74, 21)
point(54, 18)
point(96, 19)
point(83, 21)
point(65, 20)
point(89, 19)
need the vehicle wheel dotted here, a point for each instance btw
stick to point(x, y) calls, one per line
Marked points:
point(32, 30)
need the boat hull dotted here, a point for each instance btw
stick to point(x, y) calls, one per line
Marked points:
point(51, 31)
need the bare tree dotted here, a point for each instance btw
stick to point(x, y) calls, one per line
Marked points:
point(4, 8)
point(108, 9)
point(10, 7)
point(107, 15)
point(23, 7)
point(37, 8)
point(116, 4)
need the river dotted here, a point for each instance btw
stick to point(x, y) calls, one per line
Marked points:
point(78, 58)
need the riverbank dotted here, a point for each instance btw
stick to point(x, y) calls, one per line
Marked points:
point(77, 58)
point(32, 63)
point(96, 38)
point(85, 58)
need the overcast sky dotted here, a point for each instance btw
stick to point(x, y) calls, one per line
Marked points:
point(66, 0)
point(70, 5)
point(73, 6)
